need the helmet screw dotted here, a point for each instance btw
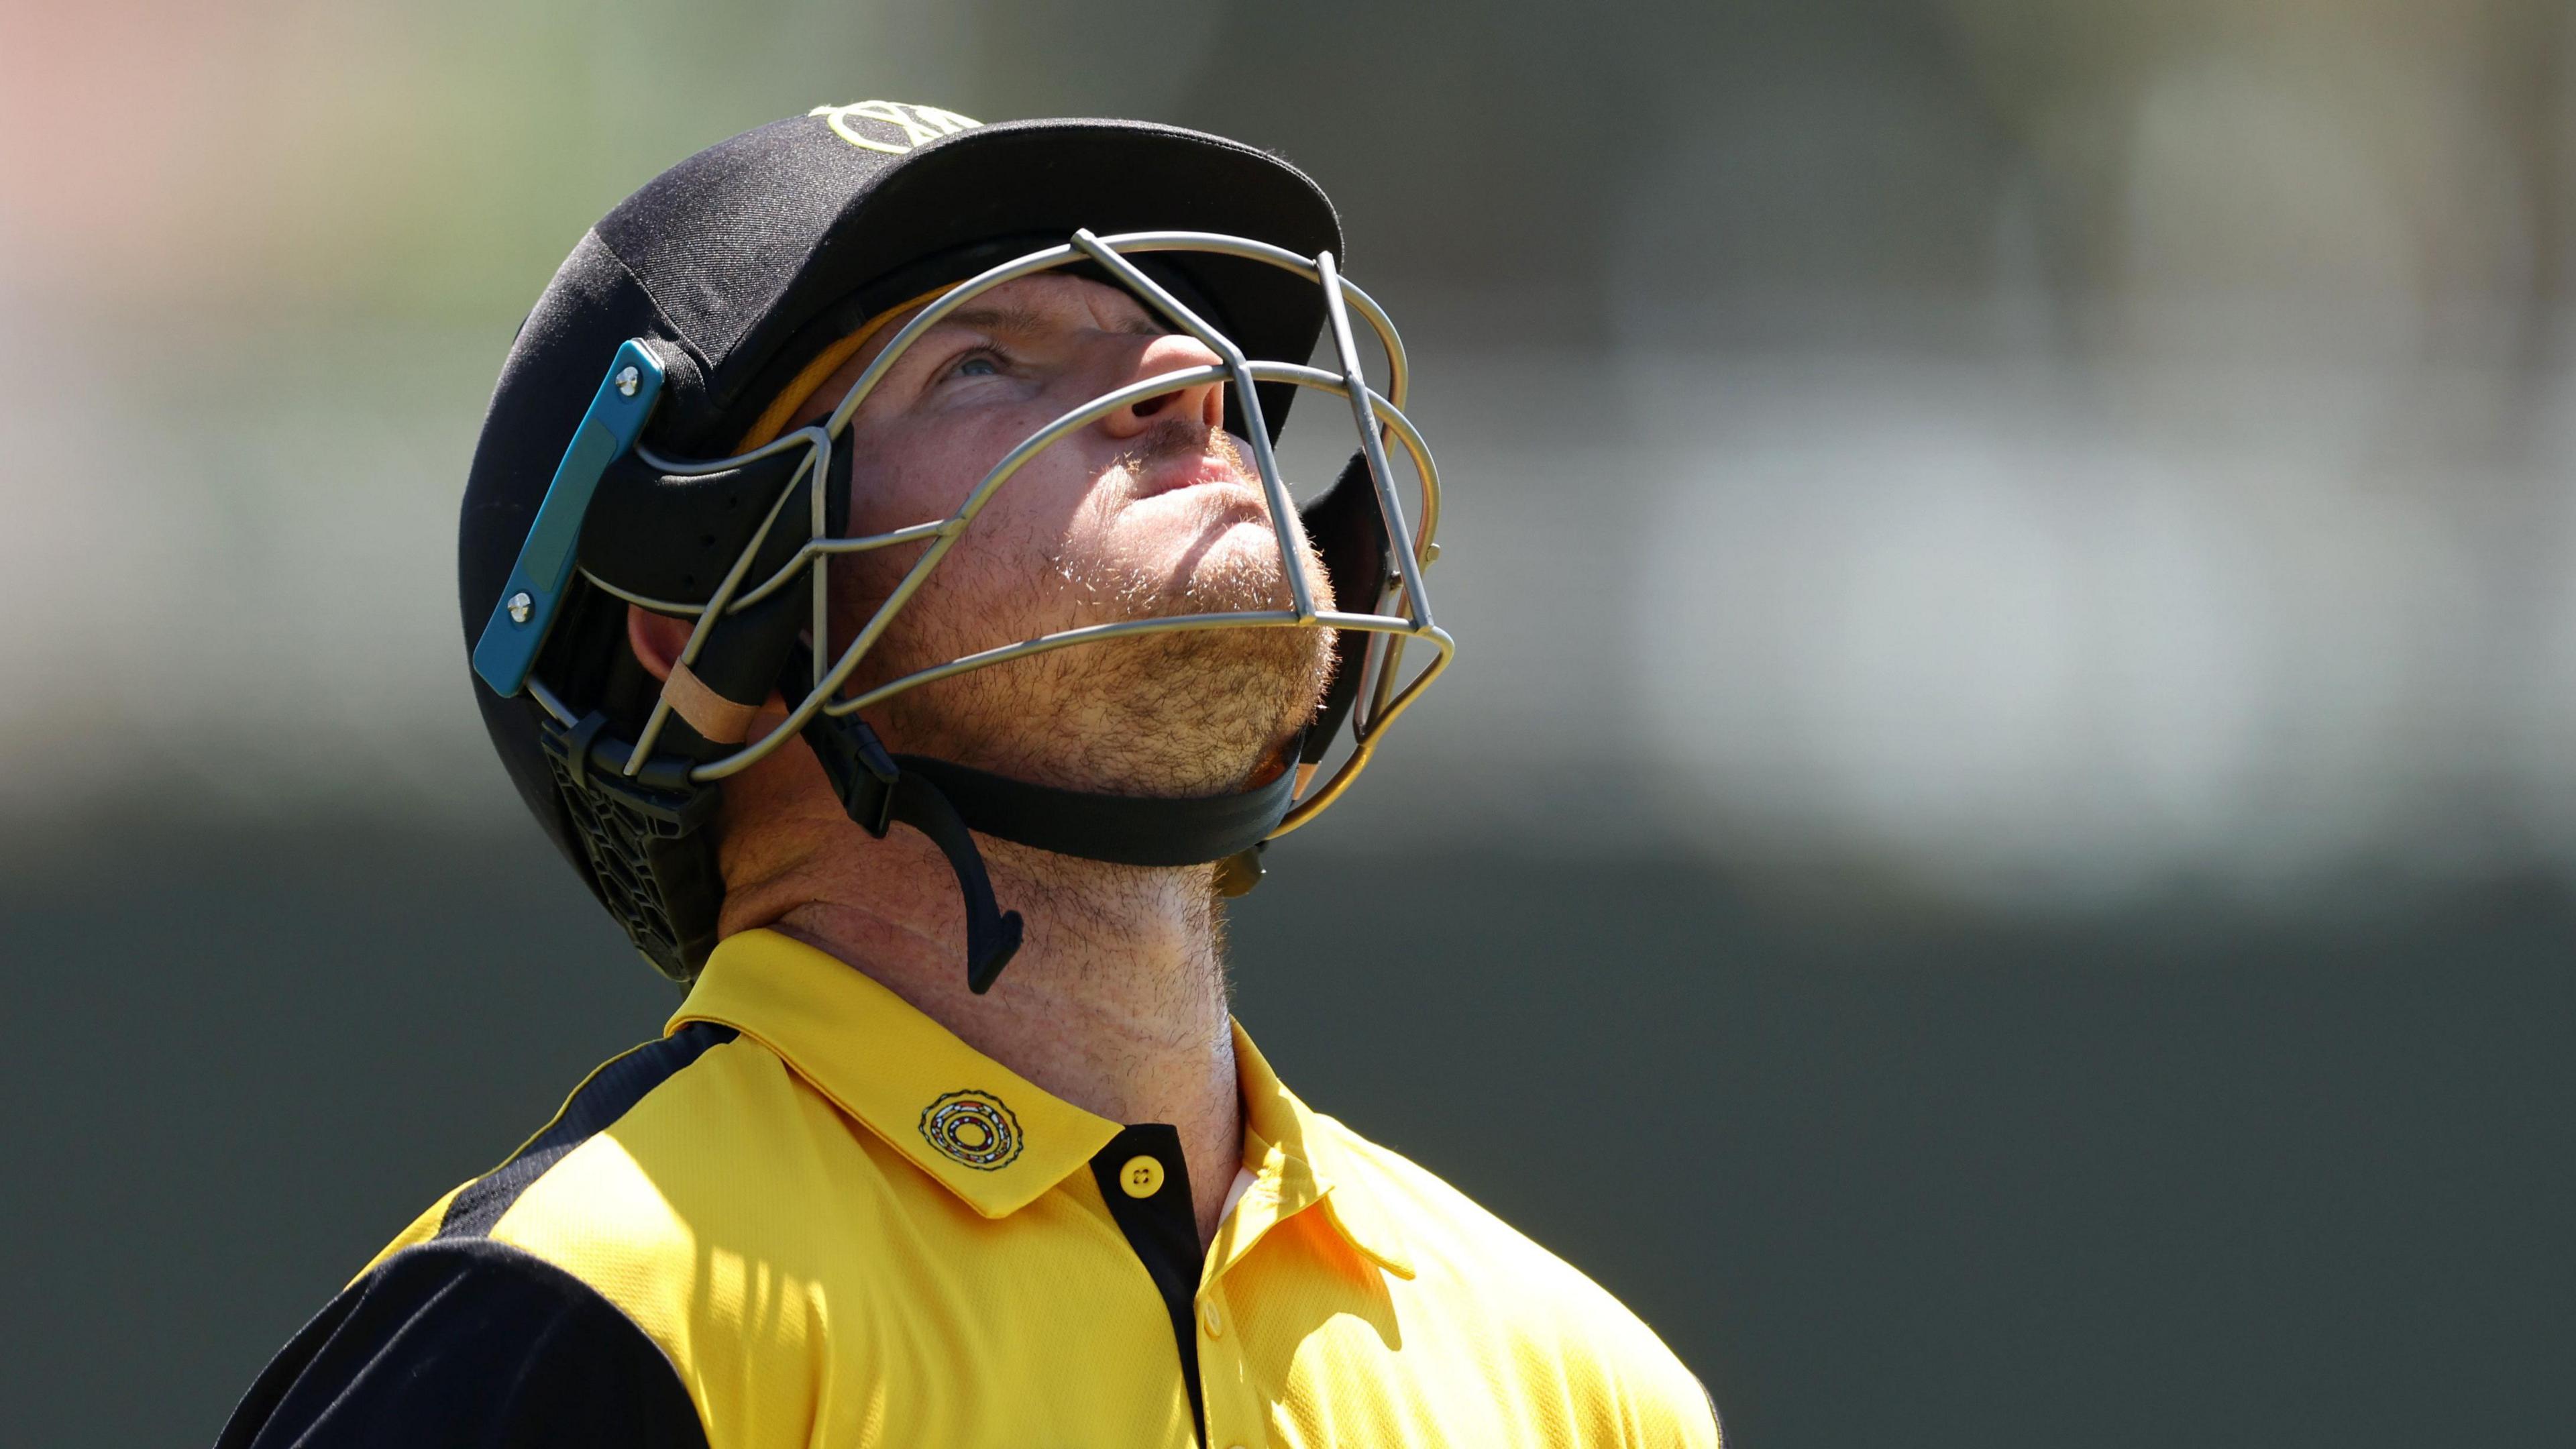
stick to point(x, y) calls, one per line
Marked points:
point(627, 379)
point(521, 607)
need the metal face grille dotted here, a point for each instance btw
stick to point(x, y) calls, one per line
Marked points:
point(1398, 614)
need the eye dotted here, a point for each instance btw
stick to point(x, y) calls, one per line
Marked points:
point(981, 362)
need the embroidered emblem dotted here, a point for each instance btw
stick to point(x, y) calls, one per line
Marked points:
point(893, 127)
point(973, 1128)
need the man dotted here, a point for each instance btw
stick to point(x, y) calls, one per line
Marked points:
point(718, 595)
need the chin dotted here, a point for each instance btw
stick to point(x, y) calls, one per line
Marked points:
point(1201, 555)
point(1187, 712)
point(1207, 549)
point(1237, 570)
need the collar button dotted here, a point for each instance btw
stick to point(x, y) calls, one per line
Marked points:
point(1142, 1176)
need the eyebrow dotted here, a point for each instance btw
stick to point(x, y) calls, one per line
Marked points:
point(1021, 320)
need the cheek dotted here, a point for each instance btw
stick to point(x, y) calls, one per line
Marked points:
point(1045, 521)
point(1054, 508)
point(924, 475)
point(898, 487)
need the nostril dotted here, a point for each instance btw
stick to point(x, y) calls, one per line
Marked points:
point(1151, 405)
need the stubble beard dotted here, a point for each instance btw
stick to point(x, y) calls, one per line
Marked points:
point(1178, 714)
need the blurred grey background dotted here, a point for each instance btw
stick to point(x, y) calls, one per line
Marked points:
point(2000, 855)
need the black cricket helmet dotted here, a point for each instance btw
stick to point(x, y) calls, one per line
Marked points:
point(607, 476)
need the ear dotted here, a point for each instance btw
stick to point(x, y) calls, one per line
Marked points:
point(657, 639)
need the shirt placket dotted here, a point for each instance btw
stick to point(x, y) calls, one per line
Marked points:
point(1145, 1183)
point(1236, 1413)
point(1238, 1407)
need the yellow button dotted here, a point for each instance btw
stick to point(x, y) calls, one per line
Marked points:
point(1209, 1320)
point(1141, 1177)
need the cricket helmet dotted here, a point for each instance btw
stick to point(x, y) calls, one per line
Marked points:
point(613, 471)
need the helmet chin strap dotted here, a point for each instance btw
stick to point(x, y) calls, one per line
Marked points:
point(878, 793)
point(947, 802)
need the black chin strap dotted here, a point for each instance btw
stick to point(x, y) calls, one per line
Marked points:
point(1121, 829)
point(877, 794)
point(946, 801)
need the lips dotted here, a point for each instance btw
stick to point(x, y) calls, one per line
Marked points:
point(1176, 474)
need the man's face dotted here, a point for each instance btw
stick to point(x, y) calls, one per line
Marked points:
point(1152, 511)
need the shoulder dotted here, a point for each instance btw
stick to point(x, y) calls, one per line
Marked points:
point(594, 1254)
point(685, 1079)
point(1607, 1357)
point(695, 1184)
point(467, 1342)
point(668, 1164)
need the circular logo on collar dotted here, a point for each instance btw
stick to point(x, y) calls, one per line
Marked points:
point(972, 1128)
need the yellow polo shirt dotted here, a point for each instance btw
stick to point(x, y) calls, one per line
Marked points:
point(810, 1215)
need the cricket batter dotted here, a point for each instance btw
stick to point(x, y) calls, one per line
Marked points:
point(877, 575)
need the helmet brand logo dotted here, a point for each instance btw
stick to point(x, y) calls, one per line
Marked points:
point(972, 1128)
point(892, 127)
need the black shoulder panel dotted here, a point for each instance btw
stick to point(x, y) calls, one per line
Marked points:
point(610, 1093)
point(467, 1344)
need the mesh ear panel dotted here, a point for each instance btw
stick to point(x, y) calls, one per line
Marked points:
point(652, 862)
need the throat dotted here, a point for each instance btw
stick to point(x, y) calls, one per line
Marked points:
point(1116, 1002)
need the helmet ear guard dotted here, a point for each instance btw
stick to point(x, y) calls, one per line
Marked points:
point(1350, 537)
point(728, 541)
point(664, 540)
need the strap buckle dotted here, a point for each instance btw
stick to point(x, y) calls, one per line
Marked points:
point(876, 792)
point(861, 771)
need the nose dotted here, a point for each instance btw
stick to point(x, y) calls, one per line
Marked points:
point(1159, 357)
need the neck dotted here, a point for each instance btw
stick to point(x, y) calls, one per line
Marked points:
point(1116, 1001)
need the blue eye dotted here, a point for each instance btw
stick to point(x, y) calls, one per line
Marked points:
point(977, 364)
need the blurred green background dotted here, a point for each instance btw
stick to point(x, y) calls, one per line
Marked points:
point(1997, 858)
